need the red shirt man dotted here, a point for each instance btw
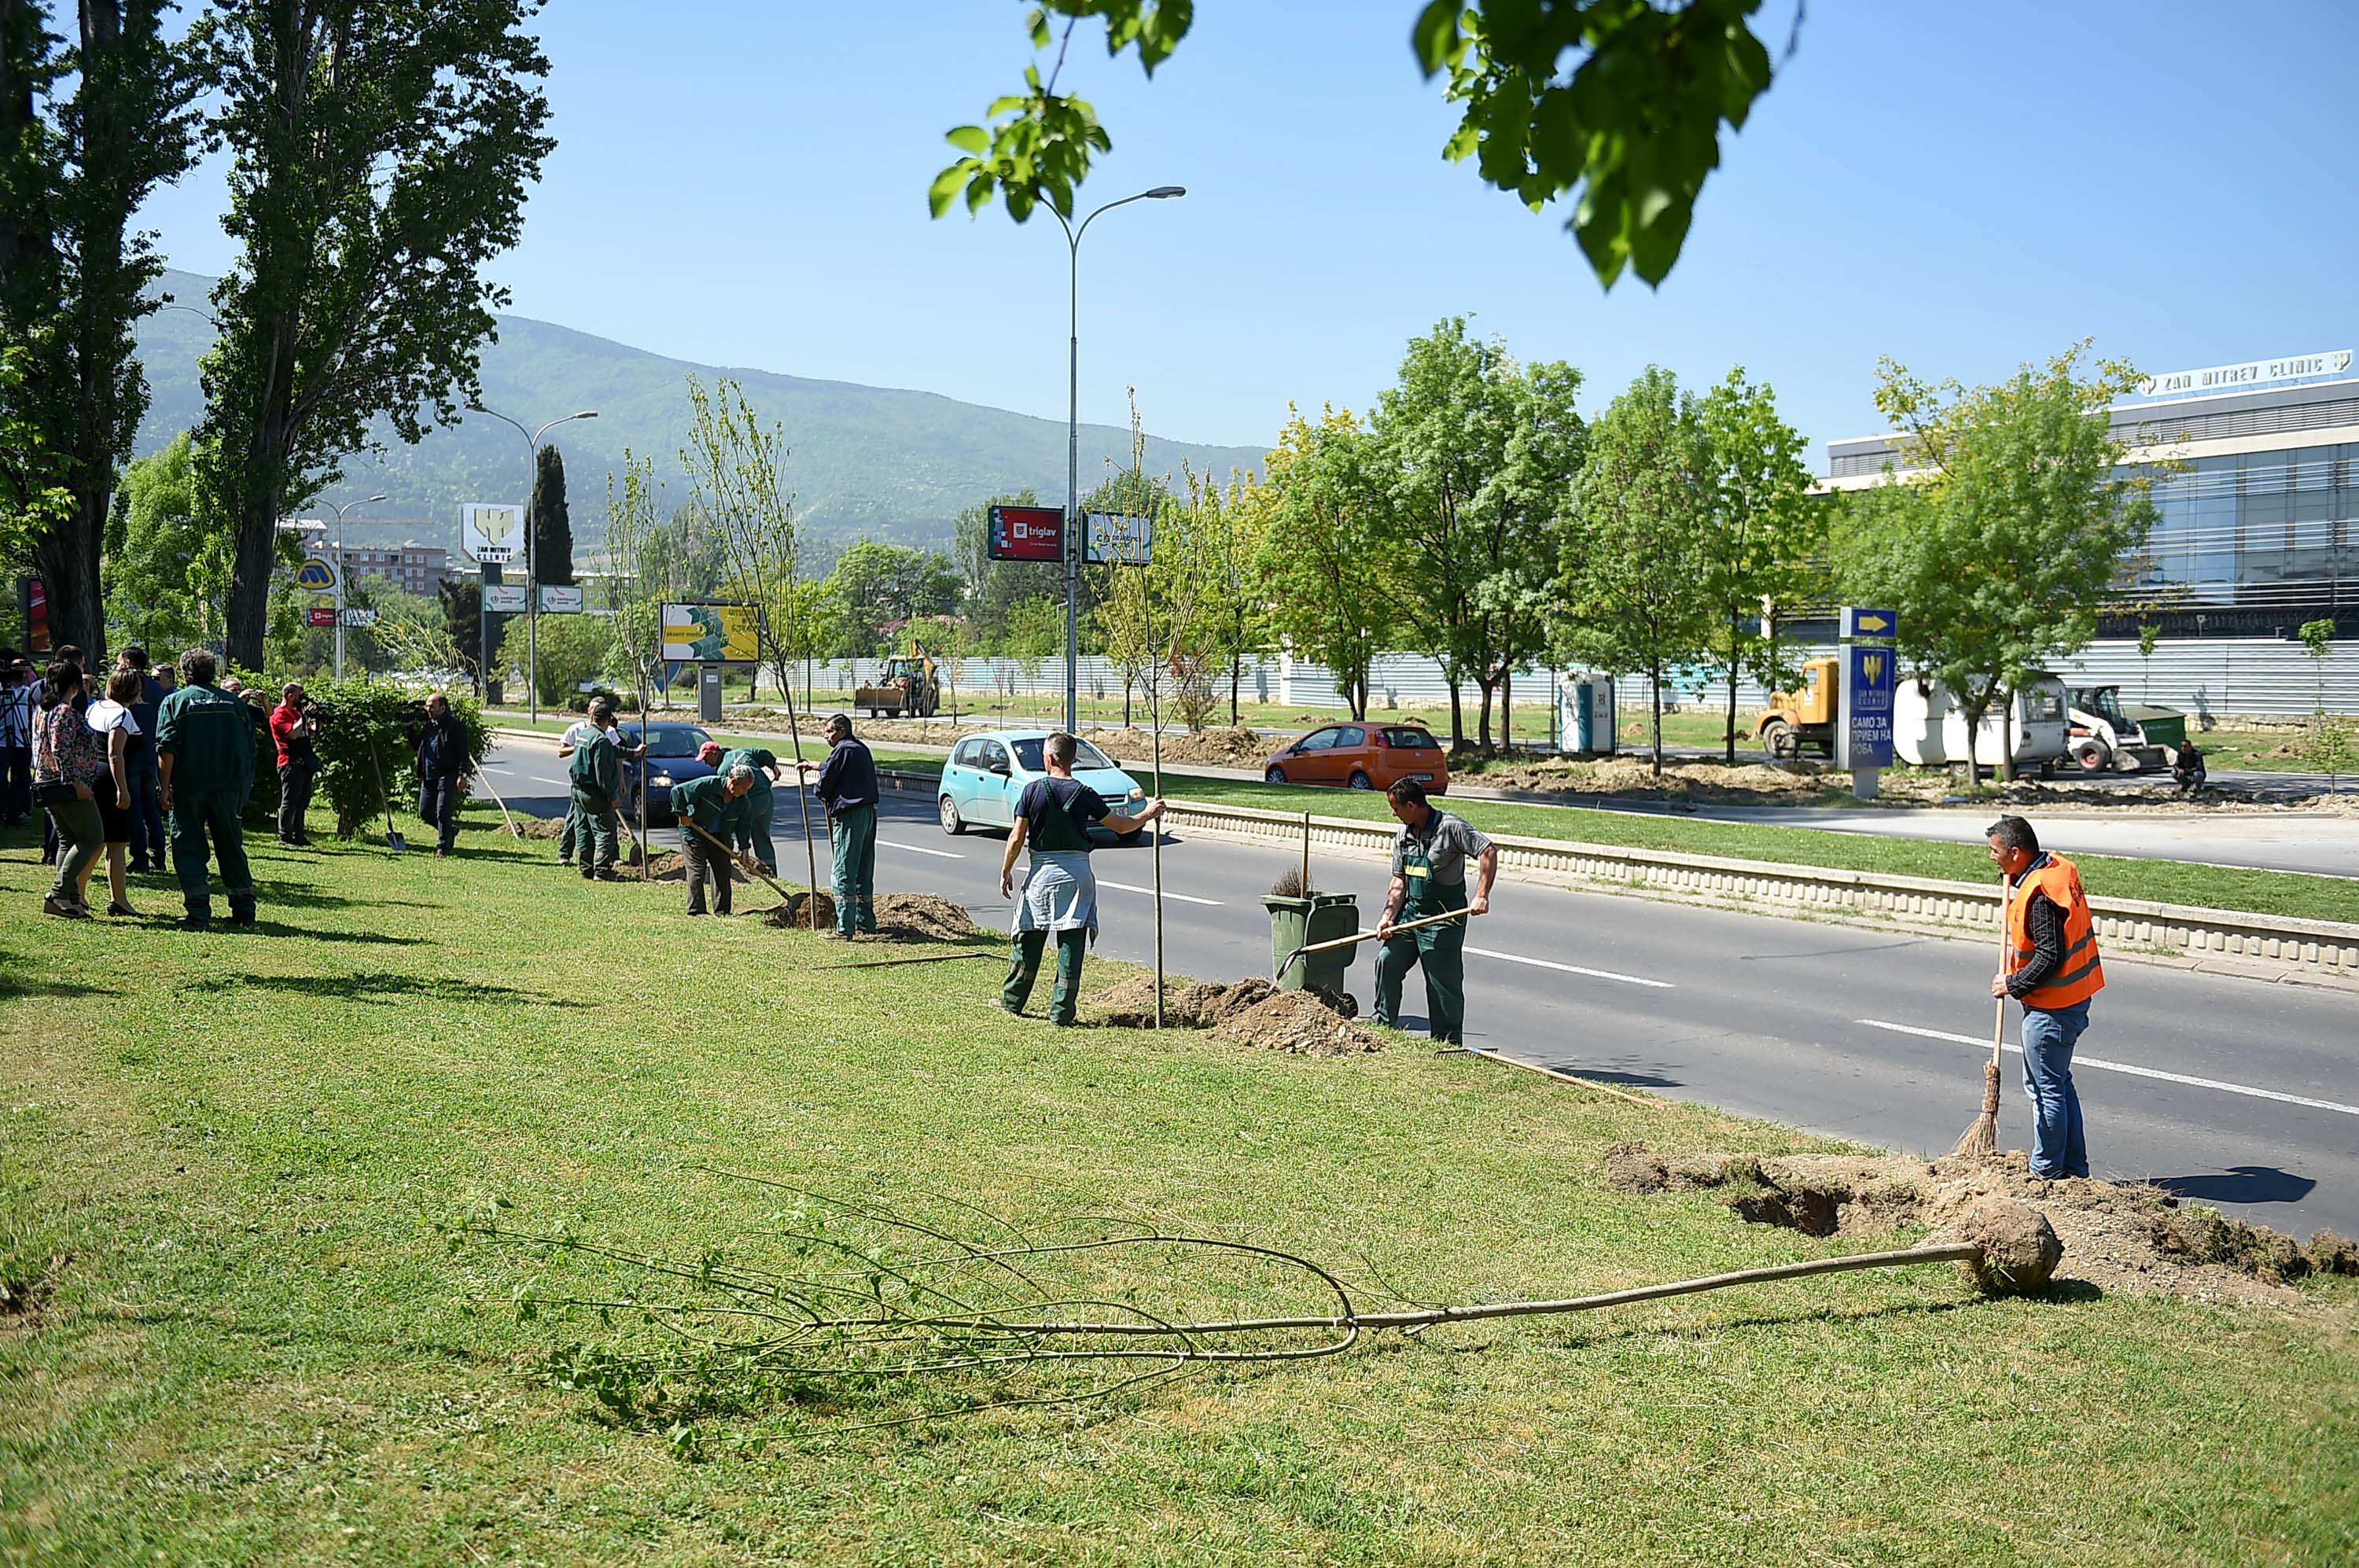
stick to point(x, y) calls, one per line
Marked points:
point(292, 730)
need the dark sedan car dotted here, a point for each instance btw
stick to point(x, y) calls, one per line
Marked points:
point(670, 759)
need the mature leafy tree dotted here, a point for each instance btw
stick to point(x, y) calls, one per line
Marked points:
point(550, 520)
point(573, 649)
point(876, 585)
point(74, 168)
point(1320, 559)
point(1219, 538)
point(1621, 100)
point(1479, 456)
point(168, 569)
point(1637, 570)
point(380, 150)
point(1998, 528)
point(1768, 533)
point(1035, 631)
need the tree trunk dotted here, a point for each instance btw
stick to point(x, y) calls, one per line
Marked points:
point(2007, 739)
point(253, 565)
point(1507, 695)
point(1457, 712)
point(1482, 718)
point(1973, 732)
point(1732, 691)
point(1655, 701)
point(1236, 676)
point(66, 556)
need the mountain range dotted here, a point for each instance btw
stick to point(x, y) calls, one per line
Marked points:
point(865, 462)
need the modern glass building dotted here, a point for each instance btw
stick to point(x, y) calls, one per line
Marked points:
point(2259, 524)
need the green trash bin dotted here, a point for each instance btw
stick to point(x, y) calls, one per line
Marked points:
point(1295, 922)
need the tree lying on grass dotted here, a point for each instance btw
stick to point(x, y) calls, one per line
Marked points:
point(860, 1309)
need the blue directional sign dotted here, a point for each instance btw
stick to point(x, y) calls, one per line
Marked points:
point(1870, 667)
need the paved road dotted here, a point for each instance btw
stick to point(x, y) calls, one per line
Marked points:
point(2239, 1093)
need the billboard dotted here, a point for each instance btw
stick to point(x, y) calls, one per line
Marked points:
point(1026, 533)
point(504, 598)
point(560, 601)
point(491, 534)
point(1126, 542)
point(712, 633)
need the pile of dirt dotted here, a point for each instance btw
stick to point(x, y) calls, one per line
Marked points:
point(1186, 1003)
point(900, 916)
point(1223, 747)
point(539, 827)
point(1305, 1022)
point(2116, 1236)
point(922, 916)
point(670, 866)
point(1632, 774)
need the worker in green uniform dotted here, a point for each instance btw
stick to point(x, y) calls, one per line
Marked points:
point(1430, 878)
point(596, 775)
point(204, 754)
point(754, 828)
point(714, 803)
point(1053, 817)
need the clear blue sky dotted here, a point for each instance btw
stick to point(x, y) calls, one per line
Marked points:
point(1962, 186)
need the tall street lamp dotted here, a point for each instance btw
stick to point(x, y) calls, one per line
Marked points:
point(1074, 443)
point(531, 573)
point(341, 569)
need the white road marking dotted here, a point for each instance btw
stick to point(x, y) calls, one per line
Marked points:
point(1574, 969)
point(918, 849)
point(2099, 1062)
point(1183, 897)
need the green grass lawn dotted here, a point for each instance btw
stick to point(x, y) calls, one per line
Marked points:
point(2167, 881)
point(225, 1158)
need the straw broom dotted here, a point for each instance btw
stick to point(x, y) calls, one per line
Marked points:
point(1980, 1138)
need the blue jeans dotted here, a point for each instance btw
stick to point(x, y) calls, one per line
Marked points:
point(2058, 1148)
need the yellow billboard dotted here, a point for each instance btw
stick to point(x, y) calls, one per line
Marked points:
point(712, 633)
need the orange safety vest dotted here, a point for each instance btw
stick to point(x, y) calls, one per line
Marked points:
point(2080, 976)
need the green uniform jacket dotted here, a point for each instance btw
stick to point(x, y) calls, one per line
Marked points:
point(598, 768)
point(210, 735)
point(706, 802)
point(759, 758)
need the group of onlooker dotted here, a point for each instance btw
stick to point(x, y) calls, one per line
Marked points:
point(102, 756)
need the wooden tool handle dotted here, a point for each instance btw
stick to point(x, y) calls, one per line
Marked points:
point(1372, 935)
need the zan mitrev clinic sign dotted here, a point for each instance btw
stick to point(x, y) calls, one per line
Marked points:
point(712, 633)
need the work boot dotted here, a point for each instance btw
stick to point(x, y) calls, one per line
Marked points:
point(194, 921)
point(242, 917)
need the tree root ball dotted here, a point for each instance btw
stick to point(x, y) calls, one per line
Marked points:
point(2020, 1252)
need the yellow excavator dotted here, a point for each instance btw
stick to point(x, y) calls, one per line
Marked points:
point(908, 687)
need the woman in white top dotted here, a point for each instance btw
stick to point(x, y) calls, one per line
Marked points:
point(111, 716)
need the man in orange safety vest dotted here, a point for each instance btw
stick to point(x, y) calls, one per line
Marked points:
point(2052, 969)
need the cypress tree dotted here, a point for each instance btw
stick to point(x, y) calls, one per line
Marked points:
point(551, 524)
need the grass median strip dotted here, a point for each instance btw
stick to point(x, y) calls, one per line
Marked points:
point(2164, 881)
point(232, 1330)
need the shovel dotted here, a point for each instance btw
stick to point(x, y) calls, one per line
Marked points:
point(393, 839)
point(748, 861)
point(1365, 936)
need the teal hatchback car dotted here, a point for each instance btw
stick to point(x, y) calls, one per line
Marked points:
point(985, 774)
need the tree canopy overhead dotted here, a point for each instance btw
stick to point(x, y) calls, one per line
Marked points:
point(1616, 104)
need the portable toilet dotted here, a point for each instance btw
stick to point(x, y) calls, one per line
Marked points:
point(1585, 711)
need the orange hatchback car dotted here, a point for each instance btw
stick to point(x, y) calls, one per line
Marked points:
point(1362, 757)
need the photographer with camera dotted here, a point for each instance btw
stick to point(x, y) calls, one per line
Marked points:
point(293, 725)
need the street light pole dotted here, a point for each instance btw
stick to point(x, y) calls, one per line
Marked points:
point(1073, 441)
point(531, 573)
point(340, 569)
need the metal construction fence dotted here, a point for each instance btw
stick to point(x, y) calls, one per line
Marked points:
point(2223, 676)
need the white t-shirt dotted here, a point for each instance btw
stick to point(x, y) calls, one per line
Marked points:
point(107, 715)
point(576, 733)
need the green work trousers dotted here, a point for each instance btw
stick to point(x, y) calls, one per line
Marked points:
point(571, 838)
point(753, 831)
point(853, 834)
point(590, 820)
point(1442, 950)
point(1023, 967)
point(200, 814)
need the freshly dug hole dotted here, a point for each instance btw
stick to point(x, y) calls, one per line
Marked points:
point(2117, 1235)
point(673, 866)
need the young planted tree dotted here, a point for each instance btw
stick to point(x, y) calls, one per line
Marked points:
point(1767, 531)
point(736, 474)
point(1638, 571)
point(634, 595)
point(1317, 523)
point(378, 154)
point(2329, 749)
point(2149, 634)
point(89, 128)
point(1999, 529)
